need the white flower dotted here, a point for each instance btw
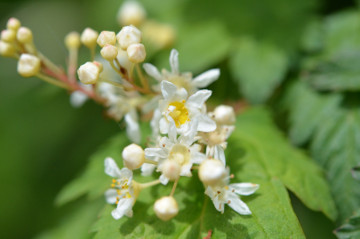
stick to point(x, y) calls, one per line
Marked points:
point(181, 109)
point(124, 191)
point(225, 193)
point(182, 80)
point(176, 155)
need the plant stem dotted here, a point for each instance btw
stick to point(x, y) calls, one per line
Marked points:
point(53, 81)
point(174, 187)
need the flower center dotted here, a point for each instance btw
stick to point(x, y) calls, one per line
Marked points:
point(180, 154)
point(178, 112)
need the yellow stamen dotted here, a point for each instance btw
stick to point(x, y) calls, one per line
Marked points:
point(180, 114)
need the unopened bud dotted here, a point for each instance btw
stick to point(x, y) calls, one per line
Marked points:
point(106, 37)
point(109, 52)
point(211, 171)
point(8, 35)
point(127, 36)
point(133, 156)
point(13, 24)
point(136, 52)
point(24, 35)
point(171, 169)
point(89, 37)
point(166, 208)
point(28, 65)
point(72, 40)
point(89, 73)
point(7, 49)
point(131, 13)
point(224, 114)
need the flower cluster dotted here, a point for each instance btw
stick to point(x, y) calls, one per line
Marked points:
point(185, 136)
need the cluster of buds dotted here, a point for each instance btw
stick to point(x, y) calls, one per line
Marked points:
point(185, 137)
point(17, 42)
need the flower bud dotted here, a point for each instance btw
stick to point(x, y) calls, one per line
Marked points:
point(166, 208)
point(8, 35)
point(133, 156)
point(171, 169)
point(6, 49)
point(89, 37)
point(24, 35)
point(13, 24)
point(106, 37)
point(131, 13)
point(136, 53)
point(109, 52)
point(127, 36)
point(211, 171)
point(28, 65)
point(224, 114)
point(89, 72)
point(72, 40)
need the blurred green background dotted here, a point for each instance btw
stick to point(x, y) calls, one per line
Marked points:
point(44, 142)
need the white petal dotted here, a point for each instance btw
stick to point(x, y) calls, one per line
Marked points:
point(111, 168)
point(123, 207)
point(244, 188)
point(188, 137)
point(186, 170)
point(163, 180)
point(163, 125)
point(151, 70)
point(172, 130)
point(237, 205)
point(206, 78)
point(168, 89)
point(219, 154)
point(154, 123)
point(157, 152)
point(147, 169)
point(126, 173)
point(174, 61)
point(206, 124)
point(132, 127)
point(213, 195)
point(78, 98)
point(198, 99)
point(198, 157)
point(111, 195)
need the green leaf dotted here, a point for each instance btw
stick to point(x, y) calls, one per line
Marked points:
point(77, 222)
point(93, 181)
point(351, 229)
point(257, 153)
point(259, 68)
point(275, 21)
point(334, 129)
point(336, 66)
point(280, 160)
point(200, 46)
